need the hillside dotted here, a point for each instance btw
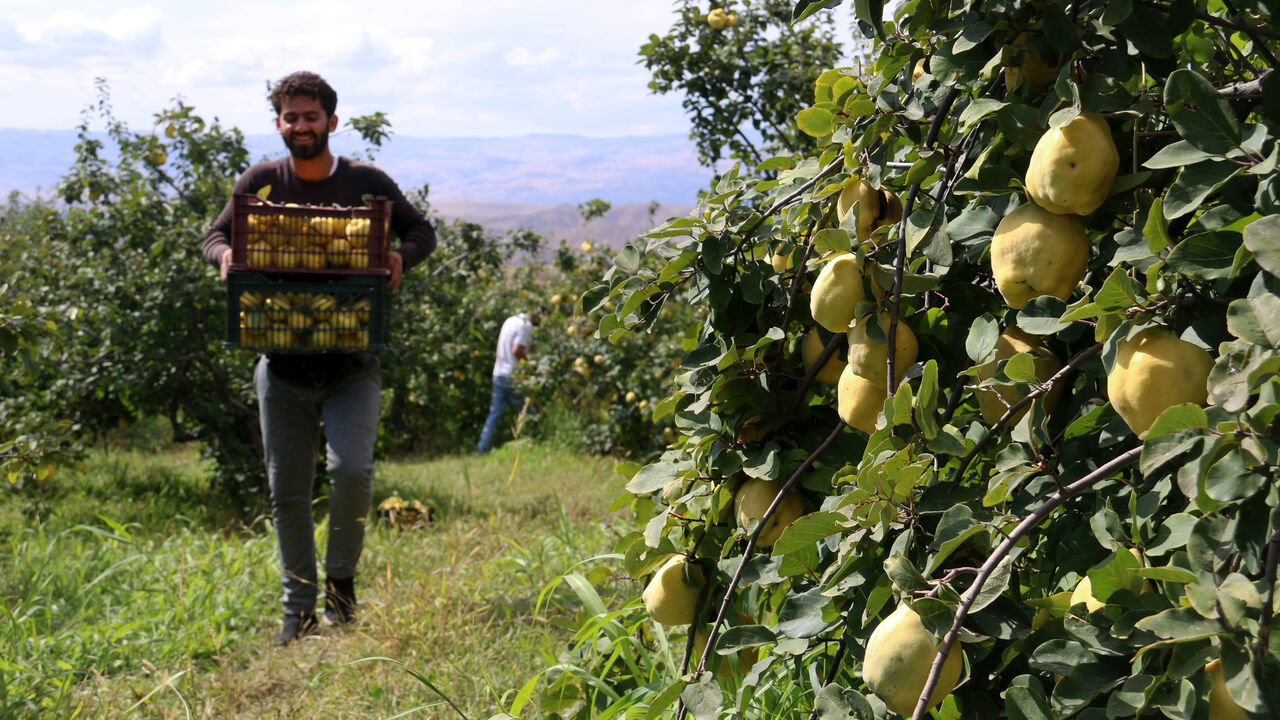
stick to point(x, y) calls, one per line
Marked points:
point(533, 170)
point(621, 224)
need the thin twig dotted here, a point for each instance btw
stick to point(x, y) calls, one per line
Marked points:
point(746, 235)
point(714, 632)
point(1264, 628)
point(907, 208)
point(984, 573)
point(1223, 22)
point(1035, 392)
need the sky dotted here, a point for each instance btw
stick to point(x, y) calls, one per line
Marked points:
point(437, 68)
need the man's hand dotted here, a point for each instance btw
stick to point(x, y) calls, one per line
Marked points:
point(226, 262)
point(395, 261)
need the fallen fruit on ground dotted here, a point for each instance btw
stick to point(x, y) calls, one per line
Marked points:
point(837, 292)
point(667, 597)
point(995, 401)
point(754, 497)
point(1035, 252)
point(1073, 166)
point(899, 654)
point(1154, 371)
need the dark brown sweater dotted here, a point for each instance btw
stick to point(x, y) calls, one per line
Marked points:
point(345, 187)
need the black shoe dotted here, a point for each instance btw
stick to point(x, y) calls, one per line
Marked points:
point(295, 626)
point(339, 601)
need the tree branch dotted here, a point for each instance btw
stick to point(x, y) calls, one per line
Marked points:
point(795, 194)
point(895, 306)
point(984, 573)
point(714, 632)
point(1036, 392)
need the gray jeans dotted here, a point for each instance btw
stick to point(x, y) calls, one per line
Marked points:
point(291, 415)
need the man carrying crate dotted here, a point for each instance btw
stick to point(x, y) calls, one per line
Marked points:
point(297, 392)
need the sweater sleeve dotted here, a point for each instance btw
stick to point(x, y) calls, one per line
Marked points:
point(417, 237)
point(218, 239)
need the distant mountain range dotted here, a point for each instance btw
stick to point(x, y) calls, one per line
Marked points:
point(501, 183)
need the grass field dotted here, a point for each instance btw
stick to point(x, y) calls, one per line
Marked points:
point(128, 589)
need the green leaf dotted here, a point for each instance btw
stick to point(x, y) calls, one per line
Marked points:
point(660, 702)
point(704, 698)
point(1118, 292)
point(1041, 315)
point(1202, 116)
point(1023, 704)
point(816, 121)
point(977, 110)
point(1195, 183)
point(1176, 154)
point(957, 525)
point(1262, 237)
point(1167, 574)
point(1181, 623)
point(1156, 229)
point(1178, 417)
point(801, 615)
point(1207, 256)
point(835, 702)
point(651, 478)
point(809, 529)
point(904, 574)
point(982, 338)
point(1256, 320)
point(744, 636)
point(833, 239)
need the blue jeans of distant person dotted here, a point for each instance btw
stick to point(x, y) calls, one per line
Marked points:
point(291, 415)
point(504, 394)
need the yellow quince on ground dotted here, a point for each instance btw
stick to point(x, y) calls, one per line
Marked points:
point(1073, 166)
point(1154, 371)
point(1035, 252)
point(900, 653)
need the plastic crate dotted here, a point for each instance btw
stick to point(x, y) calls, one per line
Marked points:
point(309, 239)
point(278, 315)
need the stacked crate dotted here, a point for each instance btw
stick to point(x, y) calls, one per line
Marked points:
point(308, 279)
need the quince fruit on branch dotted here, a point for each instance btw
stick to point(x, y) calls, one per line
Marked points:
point(994, 401)
point(718, 19)
point(837, 292)
point(668, 598)
point(754, 497)
point(1221, 705)
point(1073, 166)
point(810, 349)
point(899, 654)
point(1154, 371)
point(859, 401)
point(874, 208)
point(1036, 70)
point(1035, 252)
point(870, 359)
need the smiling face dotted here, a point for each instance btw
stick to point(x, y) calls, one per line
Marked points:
point(304, 126)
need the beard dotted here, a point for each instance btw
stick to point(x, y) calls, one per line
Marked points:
point(306, 152)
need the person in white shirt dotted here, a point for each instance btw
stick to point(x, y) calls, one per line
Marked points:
point(514, 340)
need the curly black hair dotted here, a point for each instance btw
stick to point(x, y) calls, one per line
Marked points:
point(306, 84)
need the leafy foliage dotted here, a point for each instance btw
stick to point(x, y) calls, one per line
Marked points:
point(742, 84)
point(985, 528)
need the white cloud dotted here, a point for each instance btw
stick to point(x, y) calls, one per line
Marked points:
point(481, 68)
point(520, 56)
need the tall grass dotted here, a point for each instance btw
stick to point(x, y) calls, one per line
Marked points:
point(131, 592)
